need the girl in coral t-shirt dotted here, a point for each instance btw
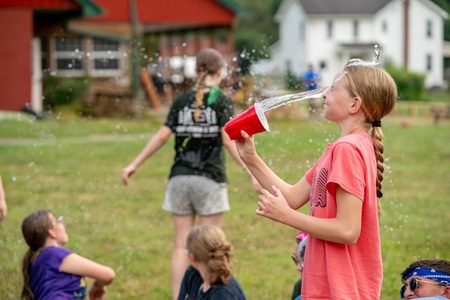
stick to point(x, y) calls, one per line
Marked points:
point(343, 253)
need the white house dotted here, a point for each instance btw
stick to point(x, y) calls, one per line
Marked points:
point(327, 33)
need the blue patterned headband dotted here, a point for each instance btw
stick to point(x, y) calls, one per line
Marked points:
point(432, 274)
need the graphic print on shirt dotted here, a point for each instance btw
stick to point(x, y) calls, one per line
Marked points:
point(206, 126)
point(199, 138)
point(82, 292)
point(319, 190)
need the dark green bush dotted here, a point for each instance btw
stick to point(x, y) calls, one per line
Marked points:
point(60, 91)
point(410, 85)
point(292, 81)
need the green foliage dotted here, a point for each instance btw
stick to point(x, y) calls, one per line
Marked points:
point(445, 4)
point(72, 165)
point(62, 90)
point(255, 31)
point(292, 81)
point(410, 85)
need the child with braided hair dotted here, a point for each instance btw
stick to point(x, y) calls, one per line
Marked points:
point(343, 189)
point(210, 276)
point(197, 181)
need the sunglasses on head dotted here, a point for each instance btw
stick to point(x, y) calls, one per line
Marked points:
point(414, 284)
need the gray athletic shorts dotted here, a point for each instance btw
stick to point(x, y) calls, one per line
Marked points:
point(191, 194)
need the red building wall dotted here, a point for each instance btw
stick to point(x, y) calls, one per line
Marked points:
point(16, 33)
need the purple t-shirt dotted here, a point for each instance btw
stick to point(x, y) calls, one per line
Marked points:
point(47, 282)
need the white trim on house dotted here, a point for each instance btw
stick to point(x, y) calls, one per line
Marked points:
point(85, 60)
point(305, 39)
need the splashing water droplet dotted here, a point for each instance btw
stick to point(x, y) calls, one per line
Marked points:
point(375, 60)
point(277, 101)
point(376, 55)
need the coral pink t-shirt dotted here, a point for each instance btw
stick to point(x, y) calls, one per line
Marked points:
point(338, 271)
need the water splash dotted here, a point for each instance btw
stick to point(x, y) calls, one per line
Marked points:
point(374, 62)
point(277, 101)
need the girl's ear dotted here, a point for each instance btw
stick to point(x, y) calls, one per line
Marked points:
point(447, 292)
point(51, 233)
point(356, 105)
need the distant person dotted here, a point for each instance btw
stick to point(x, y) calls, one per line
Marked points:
point(197, 181)
point(210, 276)
point(342, 189)
point(310, 79)
point(426, 278)
point(298, 257)
point(51, 271)
point(3, 207)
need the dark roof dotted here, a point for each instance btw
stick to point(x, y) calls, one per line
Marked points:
point(342, 7)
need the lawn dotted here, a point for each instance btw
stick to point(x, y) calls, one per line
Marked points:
point(73, 165)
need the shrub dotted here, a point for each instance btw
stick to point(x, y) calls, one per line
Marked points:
point(410, 85)
point(60, 91)
point(292, 81)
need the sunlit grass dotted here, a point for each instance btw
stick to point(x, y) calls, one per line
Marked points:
point(73, 166)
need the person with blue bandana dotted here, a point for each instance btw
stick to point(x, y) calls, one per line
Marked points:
point(426, 279)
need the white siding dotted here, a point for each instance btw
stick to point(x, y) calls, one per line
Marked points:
point(385, 27)
point(420, 45)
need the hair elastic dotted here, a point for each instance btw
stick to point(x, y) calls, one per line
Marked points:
point(376, 124)
point(379, 194)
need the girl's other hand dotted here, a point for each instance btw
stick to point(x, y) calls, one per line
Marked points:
point(273, 206)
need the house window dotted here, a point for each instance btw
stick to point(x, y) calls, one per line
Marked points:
point(429, 62)
point(76, 56)
point(69, 53)
point(429, 28)
point(330, 29)
point(355, 28)
point(105, 55)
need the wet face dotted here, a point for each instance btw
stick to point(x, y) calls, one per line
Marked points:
point(337, 100)
point(417, 287)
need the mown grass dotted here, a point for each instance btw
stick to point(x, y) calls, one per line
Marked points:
point(73, 166)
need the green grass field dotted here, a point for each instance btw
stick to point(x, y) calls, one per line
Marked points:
point(73, 166)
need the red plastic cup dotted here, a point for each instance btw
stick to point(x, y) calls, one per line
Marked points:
point(251, 121)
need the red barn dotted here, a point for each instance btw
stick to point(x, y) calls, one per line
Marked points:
point(101, 39)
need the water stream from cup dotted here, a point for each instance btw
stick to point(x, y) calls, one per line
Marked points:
point(277, 101)
point(253, 119)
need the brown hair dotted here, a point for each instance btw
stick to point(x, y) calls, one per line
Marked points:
point(436, 264)
point(208, 244)
point(35, 232)
point(209, 62)
point(378, 93)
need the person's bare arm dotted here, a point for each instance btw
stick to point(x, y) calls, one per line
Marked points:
point(345, 228)
point(81, 266)
point(3, 207)
point(231, 147)
point(296, 195)
point(156, 142)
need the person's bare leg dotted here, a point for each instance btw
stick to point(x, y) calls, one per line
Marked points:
point(212, 219)
point(182, 225)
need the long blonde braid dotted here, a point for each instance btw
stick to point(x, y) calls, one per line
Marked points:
point(209, 62)
point(378, 93)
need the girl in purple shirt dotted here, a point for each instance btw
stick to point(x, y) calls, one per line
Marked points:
point(51, 271)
